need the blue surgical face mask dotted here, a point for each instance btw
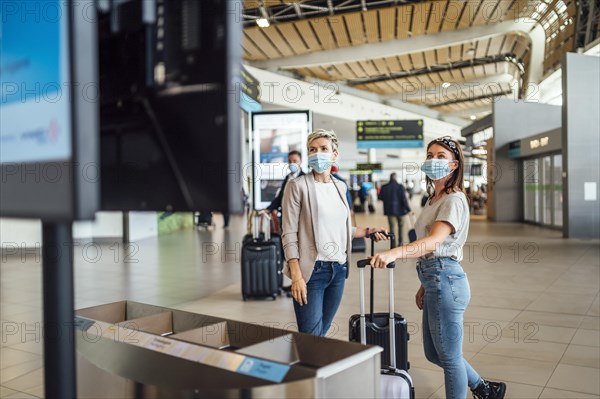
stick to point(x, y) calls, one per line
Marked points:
point(436, 169)
point(320, 161)
point(294, 167)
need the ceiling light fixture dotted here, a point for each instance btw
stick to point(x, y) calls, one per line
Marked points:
point(445, 85)
point(263, 22)
point(473, 117)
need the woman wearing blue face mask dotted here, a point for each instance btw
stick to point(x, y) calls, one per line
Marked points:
point(442, 229)
point(317, 236)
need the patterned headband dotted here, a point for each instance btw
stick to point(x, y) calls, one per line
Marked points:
point(450, 143)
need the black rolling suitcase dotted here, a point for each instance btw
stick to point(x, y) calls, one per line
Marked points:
point(359, 245)
point(261, 263)
point(395, 382)
point(203, 219)
point(378, 331)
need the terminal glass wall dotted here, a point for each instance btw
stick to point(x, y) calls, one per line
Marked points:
point(542, 186)
point(531, 192)
point(558, 192)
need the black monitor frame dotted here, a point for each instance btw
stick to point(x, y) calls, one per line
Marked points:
point(174, 142)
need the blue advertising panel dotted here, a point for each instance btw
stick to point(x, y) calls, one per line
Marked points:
point(35, 121)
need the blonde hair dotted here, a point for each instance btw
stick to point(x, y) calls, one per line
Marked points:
point(320, 133)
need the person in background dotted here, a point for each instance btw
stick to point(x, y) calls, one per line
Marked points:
point(294, 166)
point(409, 188)
point(294, 162)
point(226, 216)
point(372, 198)
point(334, 173)
point(395, 205)
point(317, 236)
point(442, 229)
point(363, 194)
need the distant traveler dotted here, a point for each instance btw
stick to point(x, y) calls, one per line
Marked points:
point(294, 162)
point(395, 204)
point(295, 168)
point(334, 173)
point(442, 229)
point(317, 236)
point(409, 188)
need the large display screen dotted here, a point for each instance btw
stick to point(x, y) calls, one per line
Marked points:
point(274, 135)
point(35, 123)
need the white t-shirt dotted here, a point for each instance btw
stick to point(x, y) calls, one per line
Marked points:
point(454, 209)
point(333, 216)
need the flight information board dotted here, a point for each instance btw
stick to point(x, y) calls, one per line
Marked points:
point(389, 134)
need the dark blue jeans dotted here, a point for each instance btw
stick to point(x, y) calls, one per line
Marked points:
point(324, 295)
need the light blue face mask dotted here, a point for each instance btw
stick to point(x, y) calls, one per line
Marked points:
point(436, 169)
point(294, 167)
point(320, 161)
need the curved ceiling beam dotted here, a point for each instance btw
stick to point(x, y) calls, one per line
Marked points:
point(406, 46)
point(483, 83)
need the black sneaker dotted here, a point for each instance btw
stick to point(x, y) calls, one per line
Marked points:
point(489, 390)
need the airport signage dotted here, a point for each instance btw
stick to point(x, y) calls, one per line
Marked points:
point(389, 134)
point(543, 143)
point(369, 166)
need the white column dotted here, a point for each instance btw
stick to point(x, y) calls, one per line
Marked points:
point(372, 156)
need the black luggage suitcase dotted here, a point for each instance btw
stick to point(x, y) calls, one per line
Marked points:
point(378, 331)
point(276, 239)
point(262, 263)
point(203, 219)
point(395, 381)
point(359, 245)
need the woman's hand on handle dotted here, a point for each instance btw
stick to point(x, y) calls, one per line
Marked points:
point(380, 234)
point(419, 297)
point(299, 291)
point(382, 259)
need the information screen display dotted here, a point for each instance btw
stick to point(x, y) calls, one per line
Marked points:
point(35, 123)
point(389, 134)
point(274, 135)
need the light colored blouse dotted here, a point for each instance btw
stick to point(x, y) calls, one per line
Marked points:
point(332, 224)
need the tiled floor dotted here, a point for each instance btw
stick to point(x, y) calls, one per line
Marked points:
point(533, 321)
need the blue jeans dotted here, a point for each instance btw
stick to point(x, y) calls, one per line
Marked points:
point(324, 295)
point(447, 295)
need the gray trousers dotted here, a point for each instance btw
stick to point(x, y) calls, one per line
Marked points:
point(392, 221)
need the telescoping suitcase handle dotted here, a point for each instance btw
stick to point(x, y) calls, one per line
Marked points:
point(261, 223)
point(363, 327)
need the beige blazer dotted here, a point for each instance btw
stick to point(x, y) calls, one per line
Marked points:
point(300, 218)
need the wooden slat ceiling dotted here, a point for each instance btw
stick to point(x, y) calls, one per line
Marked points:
point(302, 36)
point(356, 28)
